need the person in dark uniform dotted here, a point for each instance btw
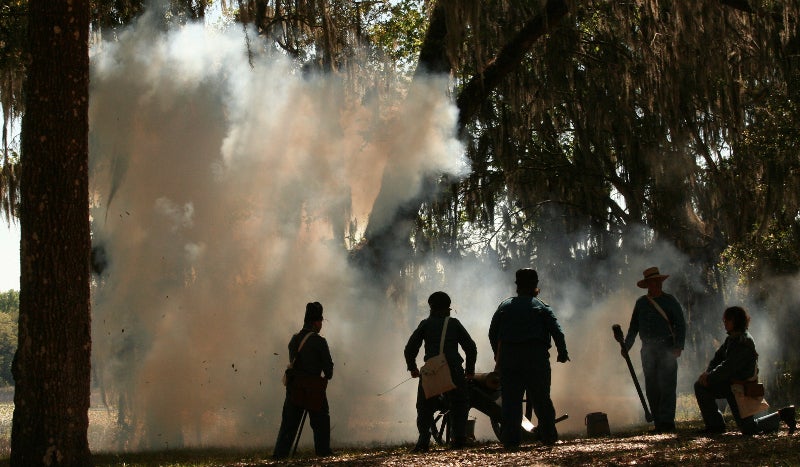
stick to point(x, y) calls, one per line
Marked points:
point(735, 360)
point(520, 335)
point(658, 318)
point(314, 358)
point(429, 332)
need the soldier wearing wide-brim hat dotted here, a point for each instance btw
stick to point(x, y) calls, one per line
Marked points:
point(658, 318)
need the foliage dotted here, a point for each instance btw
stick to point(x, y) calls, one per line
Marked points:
point(13, 22)
point(397, 30)
point(9, 315)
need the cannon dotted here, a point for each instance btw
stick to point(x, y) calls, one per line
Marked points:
point(484, 396)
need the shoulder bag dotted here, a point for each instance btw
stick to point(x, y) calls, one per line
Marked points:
point(749, 396)
point(435, 373)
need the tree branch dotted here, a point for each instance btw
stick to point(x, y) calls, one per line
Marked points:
point(509, 58)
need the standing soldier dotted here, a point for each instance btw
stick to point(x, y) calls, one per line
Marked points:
point(658, 318)
point(310, 357)
point(429, 332)
point(520, 335)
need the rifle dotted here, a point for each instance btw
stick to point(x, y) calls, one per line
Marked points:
point(619, 338)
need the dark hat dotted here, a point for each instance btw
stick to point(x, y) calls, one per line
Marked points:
point(527, 277)
point(439, 301)
point(313, 312)
point(651, 273)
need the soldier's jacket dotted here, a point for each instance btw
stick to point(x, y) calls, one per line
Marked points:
point(429, 331)
point(647, 322)
point(736, 359)
point(315, 357)
point(526, 319)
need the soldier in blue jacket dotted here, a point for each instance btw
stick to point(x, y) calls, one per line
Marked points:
point(520, 334)
point(658, 318)
point(429, 331)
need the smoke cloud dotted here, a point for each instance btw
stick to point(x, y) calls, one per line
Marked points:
point(224, 195)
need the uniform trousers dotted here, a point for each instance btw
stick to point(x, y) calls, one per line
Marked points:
point(525, 369)
point(290, 423)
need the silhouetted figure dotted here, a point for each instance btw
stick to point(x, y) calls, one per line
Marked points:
point(735, 361)
point(520, 335)
point(314, 358)
point(658, 318)
point(429, 332)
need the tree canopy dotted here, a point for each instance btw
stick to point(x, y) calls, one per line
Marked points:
point(592, 128)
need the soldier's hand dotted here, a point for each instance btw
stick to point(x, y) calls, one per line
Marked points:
point(415, 373)
point(562, 358)
point(703, 379)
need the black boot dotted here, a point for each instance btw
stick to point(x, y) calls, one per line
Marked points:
point(788, 416)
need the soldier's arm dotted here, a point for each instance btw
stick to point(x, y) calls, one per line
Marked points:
point(470, 349)
point(327, 360)
point(494, 331)
point(633, 329)
point(412, 347)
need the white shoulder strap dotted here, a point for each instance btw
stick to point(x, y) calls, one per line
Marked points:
point(300, 348)
point(444, 330)
point(661, 311)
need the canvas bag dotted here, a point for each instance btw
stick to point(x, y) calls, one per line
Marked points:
point(435, 373)
point(749, 396)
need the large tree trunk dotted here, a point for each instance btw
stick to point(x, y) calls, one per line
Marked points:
point(52, 366)
point(387, 248)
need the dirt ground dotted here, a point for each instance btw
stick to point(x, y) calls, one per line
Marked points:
point(682, 448)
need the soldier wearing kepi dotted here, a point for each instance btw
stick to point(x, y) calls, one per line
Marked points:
point(311, 356)
point(429, 333)
point(658, 318)
point(520, 335)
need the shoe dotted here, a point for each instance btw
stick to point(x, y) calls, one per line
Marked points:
point(666, 428)
point(420, 448)
point(462, 443)
point(327, 453)
point(511, 447)
point(788, 416)
point(710, 431)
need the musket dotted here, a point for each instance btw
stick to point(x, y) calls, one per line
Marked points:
point(619, 337)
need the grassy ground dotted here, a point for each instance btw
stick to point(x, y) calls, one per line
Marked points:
point(633, 447)
point(684, 448)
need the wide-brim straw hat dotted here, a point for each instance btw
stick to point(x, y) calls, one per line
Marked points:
point(651, 273)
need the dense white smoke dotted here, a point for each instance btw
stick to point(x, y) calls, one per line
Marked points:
point(222, 197)
point(222, 191)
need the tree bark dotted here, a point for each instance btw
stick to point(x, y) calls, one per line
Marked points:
point(52, 365)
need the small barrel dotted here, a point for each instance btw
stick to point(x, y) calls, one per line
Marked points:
point(489, 380)
point(597, 424)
